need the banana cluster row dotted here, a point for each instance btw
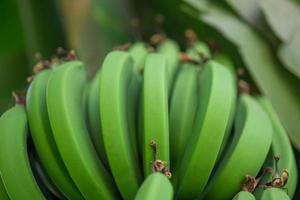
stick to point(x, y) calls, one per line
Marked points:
point(149, 126)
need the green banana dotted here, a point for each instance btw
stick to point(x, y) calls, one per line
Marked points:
point(94, 118)
point(281, 146)
point(224, 60)
point(199, 51)
point(3, 193)
point(183, 109)
point(139, 52)
point(212, 118)
point(247, 151)
point(170, 50)
point(120, 144)
point(243, 195)
point(156, 186)
point(15, 168)
point(155, 111)
point(43, 137)
point(274, 194)
point(65, 91)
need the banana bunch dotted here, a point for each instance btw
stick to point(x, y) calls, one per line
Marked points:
point(153, 124)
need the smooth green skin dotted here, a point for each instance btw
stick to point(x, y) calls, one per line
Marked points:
point(3, 193)
point(247, 152)
point(155, 110)
point(226, 62)
point(183, 108)
point(199, 48)
point(281, 146)
point(213, 114)
point(274, 194)
point(65, 108)
point(170, 50)
point(139, 52)
point(134, 92)
point(117, 72)
point(15, 169)
point(94, 121)
point(156, 186)
point(244, 196)
point(43, 137)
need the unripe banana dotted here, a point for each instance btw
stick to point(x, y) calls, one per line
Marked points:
point(119, 142)
point(183, 108)
point(43, 137)
point(199, 51)
point(281, 146)
point(155, 111)
point(65, 108)
point(139, 52)
point(243, 195)
point(224, 60)
point(274, 194)
point(94, 118)
point(15, 168)
point(247, 151)
point(156, 186)
point(213, 114)
point(170, 50)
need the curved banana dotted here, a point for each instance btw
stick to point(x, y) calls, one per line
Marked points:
point(94, 118)
point(119, 142)
point(244, 196)
point(183, 108)
point(170, 50)
point(139, 52)
point(43, 137)
point(247, 151)
point(15, 168)
point(155, 111)
point(156, 186)
point(274, 194)
point(224, 60)
point(3, 193)
point(281, 146)
point(199, 51)
point(212, 118)
point(65, 108)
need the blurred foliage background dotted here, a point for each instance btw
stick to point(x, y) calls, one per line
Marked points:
point(261, 36)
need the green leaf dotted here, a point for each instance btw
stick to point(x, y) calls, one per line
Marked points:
point(274, 81)
point(283, 16)
point(289, 54)
point(247, 9)
point(42, 28)
point(13, 62)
